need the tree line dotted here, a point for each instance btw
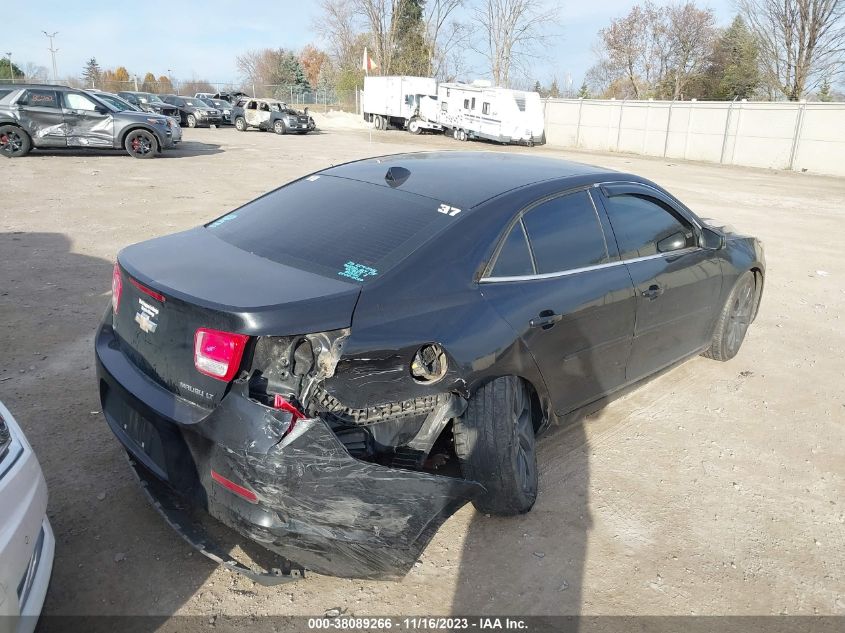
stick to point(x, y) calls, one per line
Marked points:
point(773, 49)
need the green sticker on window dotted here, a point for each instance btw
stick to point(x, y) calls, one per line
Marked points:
point(357, 271)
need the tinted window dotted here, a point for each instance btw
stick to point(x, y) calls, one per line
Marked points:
point(514, 258)
point(337, 227)
point(4, 92)
point(565, 234)
point(640, 222)
point(40, 98)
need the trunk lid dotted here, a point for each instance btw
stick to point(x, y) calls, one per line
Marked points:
point(174, 285)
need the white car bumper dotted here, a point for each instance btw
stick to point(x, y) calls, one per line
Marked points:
point(27, 544)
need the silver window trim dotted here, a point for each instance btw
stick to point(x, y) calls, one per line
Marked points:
point(575, 271)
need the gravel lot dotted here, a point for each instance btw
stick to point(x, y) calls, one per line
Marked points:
point(714, 489)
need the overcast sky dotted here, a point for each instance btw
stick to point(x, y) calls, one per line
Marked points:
point(193, 42)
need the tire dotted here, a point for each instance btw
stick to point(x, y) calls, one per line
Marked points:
point(378, 122)
point(240, 124)
point(192, 120)
point(494, 442)
point(279, 127)
point(14, 142)
point(140, 144)
point(463, 135)
point(414, 126)
point(456, 134)
point(734, 319)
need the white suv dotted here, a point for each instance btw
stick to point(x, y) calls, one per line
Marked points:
point(27, 544)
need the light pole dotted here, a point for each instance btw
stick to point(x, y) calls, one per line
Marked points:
point(53, 52)
point(11, 72)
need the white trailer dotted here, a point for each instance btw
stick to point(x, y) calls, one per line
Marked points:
point(396, 100)
point(478, 110)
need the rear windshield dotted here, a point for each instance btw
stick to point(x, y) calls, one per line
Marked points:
point(333, 226)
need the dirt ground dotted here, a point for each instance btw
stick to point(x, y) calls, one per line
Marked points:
point(714, 489)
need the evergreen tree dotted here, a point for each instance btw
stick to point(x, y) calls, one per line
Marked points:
point(824, 91)
point(733, 71)
point(584, 91)
point(412, 53)
point(92, 73)
point(6, 73)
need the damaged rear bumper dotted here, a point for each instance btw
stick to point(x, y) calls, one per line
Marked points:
point(315, 505)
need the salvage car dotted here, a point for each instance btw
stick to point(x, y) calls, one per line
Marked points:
point(27, 544)
point(336, 367)
point(193, 112)
point(269, 114)
point(220, 104)
point(149, 102)
point(123, 105)
point(55, 117)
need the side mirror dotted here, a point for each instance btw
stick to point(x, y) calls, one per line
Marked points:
point(674, 242)
point(101, 109)
point(711, 240)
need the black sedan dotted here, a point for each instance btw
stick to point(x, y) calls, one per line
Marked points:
point(333, 369)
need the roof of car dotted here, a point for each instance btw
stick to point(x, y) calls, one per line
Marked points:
point(464, 178)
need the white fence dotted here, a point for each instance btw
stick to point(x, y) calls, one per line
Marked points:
point(781, 135)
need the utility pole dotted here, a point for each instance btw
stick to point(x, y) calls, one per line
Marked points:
point(11, 72)
point(53, 52)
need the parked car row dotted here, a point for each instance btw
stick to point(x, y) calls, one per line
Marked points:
point(34, 116)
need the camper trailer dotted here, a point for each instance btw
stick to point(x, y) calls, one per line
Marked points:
point(478, 110)
point(395, 101)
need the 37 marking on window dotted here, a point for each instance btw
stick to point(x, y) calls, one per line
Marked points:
point(447, 210)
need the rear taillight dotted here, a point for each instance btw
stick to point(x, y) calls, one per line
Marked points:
point(230, 485)
point(147, 291)
point(218, 354)
point(116, 288)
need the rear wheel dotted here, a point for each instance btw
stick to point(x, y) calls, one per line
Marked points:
point(14, 142)
point(463, 135)
point(140, 144)
point(494, 442)
point(734, 319)
point(414, 126)
point(240, 124)
point(192, 120)
point(279, 127)
point(378, 122)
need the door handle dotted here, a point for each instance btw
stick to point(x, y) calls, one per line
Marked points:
point(652, 292)
point(546, 319)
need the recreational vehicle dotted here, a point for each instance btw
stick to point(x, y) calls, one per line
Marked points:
point(395, 101)
point(478, 110)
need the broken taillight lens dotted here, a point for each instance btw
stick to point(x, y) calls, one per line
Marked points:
point(218, 354)
point(230, 485)
point(116, 288)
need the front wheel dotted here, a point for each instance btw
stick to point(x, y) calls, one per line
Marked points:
point(192, 120)
point(14, 142)
point(279, 127)
point(240, 124)
point(495, 445)
point(140, 144)
point(734, 319)
point(414, 126)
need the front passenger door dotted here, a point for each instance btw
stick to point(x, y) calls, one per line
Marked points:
point(676, 282)
point(89, 124)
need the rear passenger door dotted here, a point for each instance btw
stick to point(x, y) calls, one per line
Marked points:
point(41, 116)
point(567, 296)
point(676, 281)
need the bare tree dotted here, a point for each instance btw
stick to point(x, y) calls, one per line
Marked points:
point(340, 27)
point(511, 32)
point(801, 41)
point(442, 34)
point(635, 47)
point(384, 29)
point(690, 33)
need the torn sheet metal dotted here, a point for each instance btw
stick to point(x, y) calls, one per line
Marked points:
point(330, 512)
